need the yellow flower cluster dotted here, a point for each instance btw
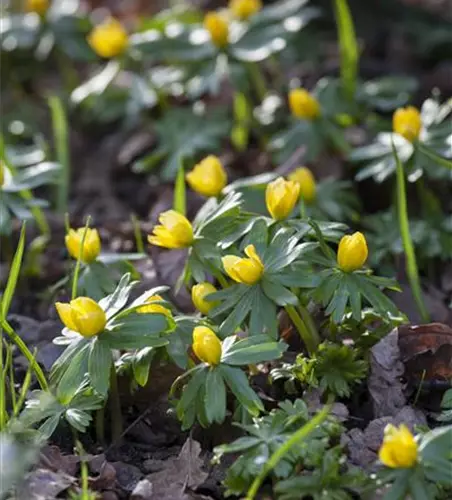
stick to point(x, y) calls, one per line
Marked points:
point(206, 345)
point(208, 177)
point(352, 252)
point(91, 244)
point(303, 104)
point(399, 449)
point(108, 39)
point(82, 315)
point(407, 122)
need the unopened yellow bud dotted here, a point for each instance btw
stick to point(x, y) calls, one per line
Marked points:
point(82, 315)
point(206, 345)
point(218, 28)
point(243, 9)
point(244, 270)
point(352, 252)
point(174, 231)
point(399, 449)
point(91, 244)
point(303, 104)
point(151, 308)
point(407, 122)
point(198, 295)
point(108, 39)
point(38, 6)
point(281, 197)
point(208, 177)
point(307, 183)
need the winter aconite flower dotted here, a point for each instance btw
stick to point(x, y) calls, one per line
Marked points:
point(38, 6)
point(303, 104)
point(352, 252)
point(198, 295)
point(151, 308)
point(303, 176)
point(281, 197)
point(108, 39)
point(243, 9)
point(218, 28)
point(82, 315)
point(208, 177)
point(174, 231)
point(407, 122)
point(206, 345)
point(91, 244)
point(399, 448)
point(244, 270)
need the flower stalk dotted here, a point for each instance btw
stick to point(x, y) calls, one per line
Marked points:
point(308, 335)
point(115, 406)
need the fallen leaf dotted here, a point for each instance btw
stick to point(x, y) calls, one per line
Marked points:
point(106, 478)
point(426, 351)
point(180, 475)
point(384, 383)
point(44, 484)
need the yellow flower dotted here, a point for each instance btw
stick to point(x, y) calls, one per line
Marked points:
point(154, 308)
point(108, 39)
point(38, 6)
point(175, 231)
point(303, 104)
point(218, 28)
point(243, 9)
point(352, 252)
point(206, 345)
point(307, 183)
point(198, 294)
point(407, 122)
point(91, 245)
point(82, 315)
point(248, 271)
point(281, 197)
point(208, 177)
point(399, 448)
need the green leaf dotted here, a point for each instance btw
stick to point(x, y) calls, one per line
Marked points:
point(48, 427)
point(263, 317)
point(179, 203)
point(255, 349)
point(240, 311)
point(99, 364)
point(13, 275)
point(240, 387)
point(136, 331)
point(117, 300)
point(215, 396)
point(78, 419)
point(435, 157)
point(277, 293)
point(142, 364)
point(74, 374)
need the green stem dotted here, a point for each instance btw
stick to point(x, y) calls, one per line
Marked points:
point(137, 233)
point(28, 355)
point(79, 261)
point(411, 264)
point(309, 340)
point(285, 448)
point(258, 80)
point(302, 208)
point(60, 134)
point(309, 322)
point(115, 406)
point(3, 387)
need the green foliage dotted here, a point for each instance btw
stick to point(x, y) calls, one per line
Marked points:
point(446, 406)
point(333, 368)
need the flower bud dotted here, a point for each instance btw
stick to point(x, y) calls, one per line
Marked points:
point(352, 252)
point(281, 197)
point(38, 6)
point(91, 244)
point(82, 315)
point(208, 177)
point(303, 104)
point(218, 28)
point(407, 122)
point(174, 231)
point(248, 271)
point(303, 176)
point(206, 345)
point(399, 449)
point(150, 308)
point(243, 9)
point(108, 39)
point(198, 295)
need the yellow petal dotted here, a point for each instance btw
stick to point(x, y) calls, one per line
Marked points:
point(307, 183)
point(206, 345)
point(352, 252)
point(108, 39)
point(208, 177)
point(151, 308)
point(218, 28)
point(88, 317)
point(303, 104)
point(65, 313)
point(229, 263)
point(243, 9)
point(199, 293)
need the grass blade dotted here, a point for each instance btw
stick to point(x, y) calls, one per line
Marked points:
point(180, 203)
